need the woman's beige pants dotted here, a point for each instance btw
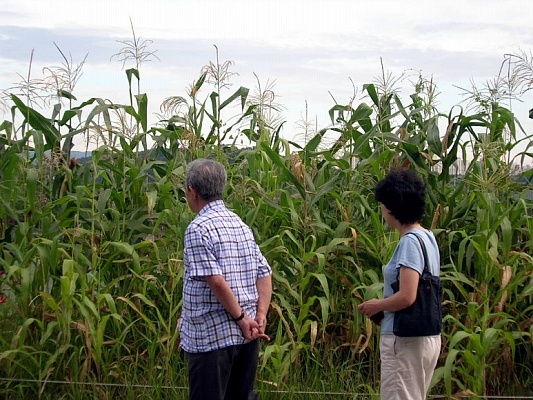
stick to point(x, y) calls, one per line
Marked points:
point(407, 365)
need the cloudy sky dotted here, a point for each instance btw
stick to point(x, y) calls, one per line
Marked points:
point(310, 50)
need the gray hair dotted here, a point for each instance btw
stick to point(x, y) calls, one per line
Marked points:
point(207, 177)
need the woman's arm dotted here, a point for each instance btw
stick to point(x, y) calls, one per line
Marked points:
point(406, 296)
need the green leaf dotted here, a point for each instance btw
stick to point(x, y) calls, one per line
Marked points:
point(371, 90)
point(39, 122)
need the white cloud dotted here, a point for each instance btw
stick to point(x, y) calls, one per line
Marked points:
point(309, 47)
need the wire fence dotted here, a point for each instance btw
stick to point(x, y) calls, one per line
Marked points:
point(281, 393)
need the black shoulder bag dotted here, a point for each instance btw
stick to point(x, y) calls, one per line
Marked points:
point(424, 316)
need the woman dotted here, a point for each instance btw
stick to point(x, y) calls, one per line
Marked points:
point(407, 363)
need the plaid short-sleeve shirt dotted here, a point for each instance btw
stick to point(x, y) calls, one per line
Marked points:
point(218, 242)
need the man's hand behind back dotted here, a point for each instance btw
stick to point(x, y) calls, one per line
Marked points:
point(251, 329)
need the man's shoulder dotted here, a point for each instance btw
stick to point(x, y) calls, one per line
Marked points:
point(214, 216)
point(217, 209)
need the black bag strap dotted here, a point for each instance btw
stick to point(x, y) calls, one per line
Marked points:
point(424, 251)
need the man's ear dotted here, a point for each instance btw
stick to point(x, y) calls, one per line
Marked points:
point(193, 192)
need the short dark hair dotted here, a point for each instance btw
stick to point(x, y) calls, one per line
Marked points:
point(403, 192)
point(207, 177)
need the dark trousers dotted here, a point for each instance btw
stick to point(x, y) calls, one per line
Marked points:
point(225, 374)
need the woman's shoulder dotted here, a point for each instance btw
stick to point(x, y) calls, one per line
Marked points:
point(422, 233)
point(431, 245)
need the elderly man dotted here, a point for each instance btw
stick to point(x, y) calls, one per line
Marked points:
point(226, 292)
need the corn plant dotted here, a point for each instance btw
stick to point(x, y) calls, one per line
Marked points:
point(91, 251)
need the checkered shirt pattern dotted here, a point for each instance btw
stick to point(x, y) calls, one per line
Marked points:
point(218, 242)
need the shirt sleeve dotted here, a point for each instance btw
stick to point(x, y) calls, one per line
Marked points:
point(201, 260)
point(264, 268)
point(410, 254)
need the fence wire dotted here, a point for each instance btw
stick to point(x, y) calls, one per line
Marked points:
point(274, 392)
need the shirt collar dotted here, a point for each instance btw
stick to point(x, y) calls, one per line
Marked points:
point(212, 205)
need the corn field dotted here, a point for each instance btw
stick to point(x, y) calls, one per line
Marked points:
point(91, 249)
